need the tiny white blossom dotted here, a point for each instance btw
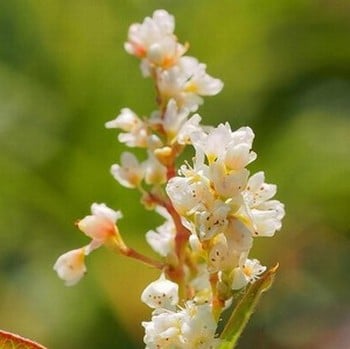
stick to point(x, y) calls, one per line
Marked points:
point(70, 266)
point(214, 143)
point(164, 331)
point(201, 285)
point(221, 255)
point(127, 121)
point(199, 326)
point(188, 128)
point(239, 153)
point(238, 236)
point(232, 147)
point(171, 120)
point(153, 41)
point(258, 191)
point(188, 195)
point(265, 214)
point(190, 328)
point(212, 220)
point(267, 218)
point(136, 131)
point(163, 239)
point(199, 81)
point(198, 172)
point(155, 172)
point(130, 172)
point(248, 272)
point(227, 183)
point(186, 82)
point(101, 225)
point(161, 293)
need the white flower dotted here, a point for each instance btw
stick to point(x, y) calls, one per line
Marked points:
point(162, 240)
point(151, 30)
point(201, 286)
point(153, 41)
point(127, 121)
point(161, 293)
point(199, 81)
point(221, 256)
point(212, 220)
point(238, 236)
point(227, 184)
point(188, 128)
point(130, 172)
point(228, 247)
point(186, 82)
point(187, 195)
point(199, 326)
point(198, 172)
point(239, 154)
point(190, 328)
point(155, 172)
point(218, 256)
point(265, 215)
point(232, 147)
point(267, 218)
point(257, 191)
point(171, 120)
point(101, 225)
point(248, 272)
point(136, 131)
point(70, 266)
point(164, 331)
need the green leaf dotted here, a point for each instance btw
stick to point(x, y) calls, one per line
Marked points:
point(245, 308)
point(12, 341)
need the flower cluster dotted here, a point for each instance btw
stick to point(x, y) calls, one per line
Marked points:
point(221, 206)
point(179, 77)
point(213, 209)
point(173, 326)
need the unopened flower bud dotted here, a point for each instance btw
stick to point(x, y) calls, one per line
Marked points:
point(70, 266)
point(164, 155)
point(100, 226)
point(161, 293)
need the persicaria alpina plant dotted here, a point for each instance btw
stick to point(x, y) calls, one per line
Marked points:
point(213, 208)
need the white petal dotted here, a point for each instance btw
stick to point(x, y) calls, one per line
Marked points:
point(239, 279)
point(103, 210)
point(228, 184)
point(70, 266)
point(162, 240)
point(130, 172)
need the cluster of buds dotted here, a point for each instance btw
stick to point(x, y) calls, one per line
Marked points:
point(213, 209)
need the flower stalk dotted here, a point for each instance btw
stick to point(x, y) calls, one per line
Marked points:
point(126, 251)
point(213, 208)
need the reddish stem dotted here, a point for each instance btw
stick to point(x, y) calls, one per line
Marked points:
point(130, 252)
point(170, 172)
point(176, 272)
point(182, 233)
point(117, 244)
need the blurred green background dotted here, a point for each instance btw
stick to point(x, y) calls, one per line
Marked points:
point(63, 73)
